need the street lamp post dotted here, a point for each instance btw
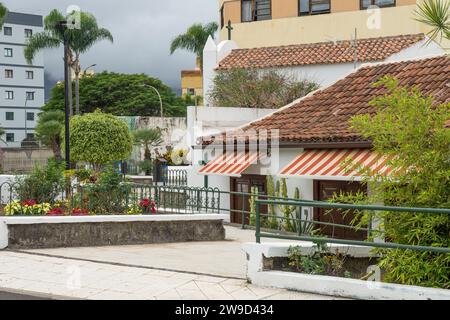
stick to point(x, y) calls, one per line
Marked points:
point(91, 66)
point(160, 99)
point(63, 26)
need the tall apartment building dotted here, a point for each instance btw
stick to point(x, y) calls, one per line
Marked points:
point(21, 84)
point(264, 23)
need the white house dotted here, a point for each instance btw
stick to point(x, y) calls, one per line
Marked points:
point(322, 62)
point(309, 139)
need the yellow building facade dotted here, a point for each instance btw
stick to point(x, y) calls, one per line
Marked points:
point(192, 83)
point(263, 23)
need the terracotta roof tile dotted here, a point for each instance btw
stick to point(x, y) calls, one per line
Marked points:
point(373, 49)
point(323, 116)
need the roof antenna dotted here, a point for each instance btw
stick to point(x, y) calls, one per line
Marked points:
point(355, 49)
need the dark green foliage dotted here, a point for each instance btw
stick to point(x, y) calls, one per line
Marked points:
point(42, 184)
point(252, 88)
point(121, 95)
point(108, 195)
point(319, 261)
point(409, 128)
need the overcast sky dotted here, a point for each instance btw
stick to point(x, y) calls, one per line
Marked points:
point(142, 31)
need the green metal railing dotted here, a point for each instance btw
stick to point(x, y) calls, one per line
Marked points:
point(325, 205)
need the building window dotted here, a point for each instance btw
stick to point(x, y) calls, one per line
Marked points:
point(28, 33)
point(191, 91)
point(30, 136)
point(256, 10)
point(8, 52)
point(30, 96)
point(9, 73)
point(10, 137)
point(222, 18)
point(30, 116)
point(365, 4)
point(9, 116)
point(9, 95)
point(30, 74)
point(7, 31)
point(310, 7)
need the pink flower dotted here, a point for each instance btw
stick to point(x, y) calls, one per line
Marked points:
point(56, 212)
point(29, 203)
point(80, 212)
point(145, 203)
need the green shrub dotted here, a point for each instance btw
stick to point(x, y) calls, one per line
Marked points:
point(43, 184)
point(409, 129)
point(99, 138)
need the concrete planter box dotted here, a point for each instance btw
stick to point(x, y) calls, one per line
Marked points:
point(54, 232)
point(327, 285)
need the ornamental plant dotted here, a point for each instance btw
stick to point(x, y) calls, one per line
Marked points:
point(409, 129)
point(27, 208)
point(99, 138)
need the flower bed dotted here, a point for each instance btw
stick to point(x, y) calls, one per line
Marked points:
point(64, 208)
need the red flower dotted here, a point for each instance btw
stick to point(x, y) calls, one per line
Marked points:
point(80, 212)
point(145, 203)
point(29, 203)
point(153, 207)
point(56, 212)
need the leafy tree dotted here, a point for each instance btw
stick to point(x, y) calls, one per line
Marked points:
point(79, 40)
point(251, 88)
point(435, 14)
point(48, 130)
point(3, 13)
point(408, 129)
point(99, 138)
point(121, 95)
point(194, 39)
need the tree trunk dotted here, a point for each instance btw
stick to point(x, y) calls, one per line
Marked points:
point(77, 85)
point(56, 148)
point(70, 92)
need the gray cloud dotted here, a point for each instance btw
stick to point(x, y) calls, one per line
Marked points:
point(142, 31)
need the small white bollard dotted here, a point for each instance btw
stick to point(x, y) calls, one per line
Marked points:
point(3, 235)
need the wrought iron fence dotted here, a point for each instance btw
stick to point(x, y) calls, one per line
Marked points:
point(175, 177)
point(259, 211)
point(343, 209)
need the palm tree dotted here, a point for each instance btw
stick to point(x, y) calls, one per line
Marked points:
point(79, 41)
point(48, 130)
point(83, 39)
point(147, 138)
point(194, 39)
point(3, 13)
point(435, 14)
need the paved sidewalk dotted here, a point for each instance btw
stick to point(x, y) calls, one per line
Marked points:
point(219, 258)
point(28, 273)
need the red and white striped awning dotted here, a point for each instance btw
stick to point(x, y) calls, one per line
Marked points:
point(230, 164)
point(329, 164)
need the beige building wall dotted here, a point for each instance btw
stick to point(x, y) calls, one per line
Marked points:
point(191, 80)
point(329, 27)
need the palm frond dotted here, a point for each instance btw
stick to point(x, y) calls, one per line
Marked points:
point(195, 38)
point(435, 14)
point(40, 41)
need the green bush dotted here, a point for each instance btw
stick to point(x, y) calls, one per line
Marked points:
point(99, 138)
point(43, 184)
point(108, 195)
point(252, 88)
point(409, 129)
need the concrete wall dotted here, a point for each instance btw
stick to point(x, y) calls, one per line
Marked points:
point(16, 160)
point(56, 232)
point(338, 25)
